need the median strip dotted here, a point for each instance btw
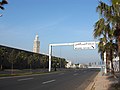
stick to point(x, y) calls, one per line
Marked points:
point(24, 79)
point(48, 81)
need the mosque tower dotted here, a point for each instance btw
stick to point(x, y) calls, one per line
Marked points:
point(36, 46)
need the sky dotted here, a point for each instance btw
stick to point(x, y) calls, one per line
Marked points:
point(55, 21)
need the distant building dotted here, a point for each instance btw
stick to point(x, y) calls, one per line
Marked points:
point(68, 65)
point(72, 65)
point(116, 64)
point(36, 46)
point(82, 66)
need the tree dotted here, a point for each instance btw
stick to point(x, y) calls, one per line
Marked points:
point(101, 31)
point(63, 62)
point(116, 23)
point(12, 59)
point(3, 3)
point(21, 57)
point(54, 63)
point(105, 28)
point(45, 60)
point(111, 13)
point(36, 58)
point(30, 60)
point(3, 55)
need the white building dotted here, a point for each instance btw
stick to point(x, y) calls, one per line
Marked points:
point(36, 46)
point(116, 64)
point(72, 65)
point(82, 66)
point(68, 65)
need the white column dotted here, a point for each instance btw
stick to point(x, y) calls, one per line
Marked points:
point(105, 71)
point(50, 53)
point(110, 67)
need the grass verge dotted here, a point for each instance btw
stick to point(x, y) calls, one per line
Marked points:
point(29, 73)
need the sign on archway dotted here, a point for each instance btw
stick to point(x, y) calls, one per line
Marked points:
point(85, 45)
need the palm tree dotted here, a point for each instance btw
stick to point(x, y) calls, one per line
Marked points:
point(3, 3)
point(112, 14)
point(101, 29)
point(101, 48)
point(116, 23)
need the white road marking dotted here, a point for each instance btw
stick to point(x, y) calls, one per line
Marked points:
point(48, 81)
point(85, 71)
point(75, 74)
point(24, 79)
point(61, 73)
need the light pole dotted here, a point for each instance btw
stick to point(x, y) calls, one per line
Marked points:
point(50, 55)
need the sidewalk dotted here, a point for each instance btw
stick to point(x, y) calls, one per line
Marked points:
point(103, 83)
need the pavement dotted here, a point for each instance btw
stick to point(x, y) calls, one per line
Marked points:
point(103, 82)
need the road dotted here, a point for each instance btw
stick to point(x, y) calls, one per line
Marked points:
point(67, 80)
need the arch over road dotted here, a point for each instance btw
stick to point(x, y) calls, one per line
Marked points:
point(77, 45)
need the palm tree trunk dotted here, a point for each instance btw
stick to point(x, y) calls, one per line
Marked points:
point(112, 67)
point(111, 58)
point(119, 58)
point(119, 50)
point(118, 42)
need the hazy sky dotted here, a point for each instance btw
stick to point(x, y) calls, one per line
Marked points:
point(55, 21)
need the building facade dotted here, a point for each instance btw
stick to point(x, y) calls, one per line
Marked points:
point(36, 46)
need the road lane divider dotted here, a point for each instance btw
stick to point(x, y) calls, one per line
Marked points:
point(75, 74)
point(49, 81)
point(24, 79)
point(85, 71)
point(61, 73)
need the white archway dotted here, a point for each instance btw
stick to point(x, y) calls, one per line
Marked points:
point(77, 45)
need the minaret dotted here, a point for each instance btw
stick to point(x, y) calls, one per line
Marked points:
point(36, 46)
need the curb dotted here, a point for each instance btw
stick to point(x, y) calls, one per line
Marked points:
point(92, 84)
point(27, 75)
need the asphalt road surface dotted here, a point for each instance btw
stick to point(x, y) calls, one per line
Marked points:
point(67, 80)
